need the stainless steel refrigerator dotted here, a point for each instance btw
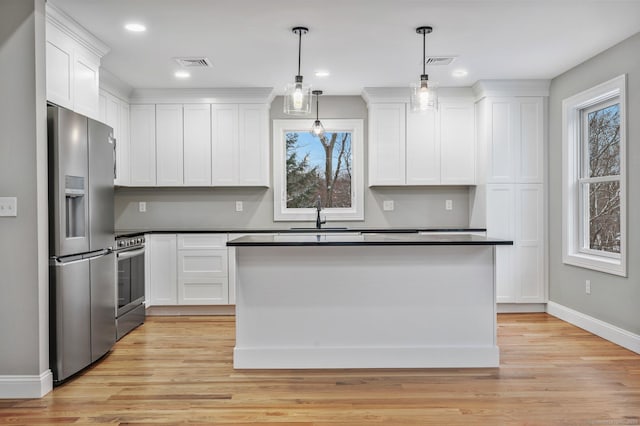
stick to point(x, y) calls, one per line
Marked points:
point(81, 240)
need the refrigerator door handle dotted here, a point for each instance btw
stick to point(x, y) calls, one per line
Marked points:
point(99, 253)
point(70, 260)
point(115, 157)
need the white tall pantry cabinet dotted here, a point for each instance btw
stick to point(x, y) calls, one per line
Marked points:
point(512, 135)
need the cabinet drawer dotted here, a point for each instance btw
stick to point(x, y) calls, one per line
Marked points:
point(203, 291)
point(202, 263)
point(201, 241)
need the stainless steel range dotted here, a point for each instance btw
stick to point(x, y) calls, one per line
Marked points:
point(130, 256)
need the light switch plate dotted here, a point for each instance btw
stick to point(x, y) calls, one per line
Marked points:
point(142, 206)
point(239, 206)
point(388, 205)
point(8, 206)
point(448, 205)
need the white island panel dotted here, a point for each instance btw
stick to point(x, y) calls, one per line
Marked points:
point(365, 306)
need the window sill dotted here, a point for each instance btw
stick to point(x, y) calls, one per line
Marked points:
point(596, 263)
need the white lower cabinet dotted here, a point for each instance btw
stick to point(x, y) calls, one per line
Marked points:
point(187, 269)
point(161, 256)
point(515, 212)
point(203, 277)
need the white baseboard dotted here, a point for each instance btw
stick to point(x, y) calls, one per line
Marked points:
point(179, 310)
point(26, 386)
point(511, 308)
point(607, 331)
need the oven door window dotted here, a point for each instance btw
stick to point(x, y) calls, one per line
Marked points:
point(124, 282)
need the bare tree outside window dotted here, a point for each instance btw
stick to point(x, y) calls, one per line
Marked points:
point(318, 167)
point(601, 177)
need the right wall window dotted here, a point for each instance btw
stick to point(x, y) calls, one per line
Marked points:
point(594, 190)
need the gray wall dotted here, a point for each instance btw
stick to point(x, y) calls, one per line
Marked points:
point(613, 299)
point(191, 208)
point(23, 174)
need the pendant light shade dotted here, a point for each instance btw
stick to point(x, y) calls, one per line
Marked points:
point(317, 129)
point(423, 97)
point(297, 98)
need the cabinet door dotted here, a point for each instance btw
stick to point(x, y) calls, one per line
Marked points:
point(529, 274)
point(59, 59)
point(500, 134)
point(197, 145)
point(122, 147)
point(457, 143)
point(169, 145)
point(253, 145)
point(530, 141)
point(162, 254)
point(422, 149)
point(387, 143)
point(86, 85)
point(224, 144)
point(142, 145)
point(500, 224)
point(203, 277)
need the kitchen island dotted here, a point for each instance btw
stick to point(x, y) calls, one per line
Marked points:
point(365, 301)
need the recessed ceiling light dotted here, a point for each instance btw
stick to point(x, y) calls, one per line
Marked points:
point(182, 74)
point(322, 73)
point(460, 73)
point(135, 27)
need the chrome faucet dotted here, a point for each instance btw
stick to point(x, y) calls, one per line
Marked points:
point(319, 222)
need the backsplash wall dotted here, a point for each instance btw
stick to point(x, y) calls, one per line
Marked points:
point(206, 208)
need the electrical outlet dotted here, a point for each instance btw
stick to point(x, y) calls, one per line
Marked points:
point(239, 206)
point(8, 206)
point(142, 206)
point(448, 205)
point(388, 205)
point(587, 286)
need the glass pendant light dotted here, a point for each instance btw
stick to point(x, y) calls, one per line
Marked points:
point(297, 99)
point(423, 97)
point(318, 128)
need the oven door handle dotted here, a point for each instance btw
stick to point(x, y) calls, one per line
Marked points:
point(129, 254)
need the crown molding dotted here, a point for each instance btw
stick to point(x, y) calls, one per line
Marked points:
point(495, 88)
point(253, 95)
point(74, 30)
point(112, 84)
point(403, 94)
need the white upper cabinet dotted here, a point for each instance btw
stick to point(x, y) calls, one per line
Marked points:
point(197, 145)
point(169, 145)
point(253, 145)
point(114, 112)
point(72, 64)
point(457, 143)
point(422, 148)
point(142, 148)
point(239, 145)
point(224, 144)
point(515, 139)
point(387, 144)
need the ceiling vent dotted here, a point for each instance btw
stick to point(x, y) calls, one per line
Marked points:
point(193, 62)
point(440, 60)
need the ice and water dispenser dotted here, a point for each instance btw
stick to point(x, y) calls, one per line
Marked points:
point(75, 201)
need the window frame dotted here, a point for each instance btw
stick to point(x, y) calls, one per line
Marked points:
point(280, 210)
point(575, 207)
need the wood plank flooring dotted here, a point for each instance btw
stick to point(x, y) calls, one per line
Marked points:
point(176, 370)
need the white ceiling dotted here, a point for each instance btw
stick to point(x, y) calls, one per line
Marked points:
point(363, 43)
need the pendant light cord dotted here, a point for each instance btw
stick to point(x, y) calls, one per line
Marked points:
point(424, 47)
point(317, 107)
point(299, 49)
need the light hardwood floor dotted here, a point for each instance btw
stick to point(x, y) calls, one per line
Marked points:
point(179, 370)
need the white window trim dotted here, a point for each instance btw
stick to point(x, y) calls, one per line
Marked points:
point(280, 210)
point(572, 253)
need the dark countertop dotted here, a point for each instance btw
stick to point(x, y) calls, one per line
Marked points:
point(133, 233)
point(373, 239)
